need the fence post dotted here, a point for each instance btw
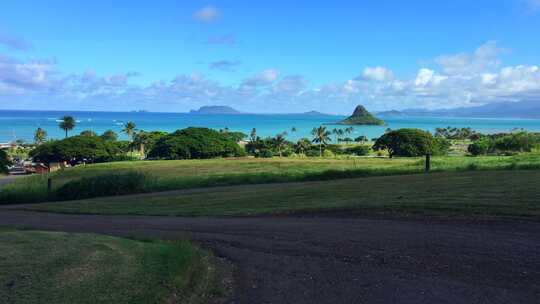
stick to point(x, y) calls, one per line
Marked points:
point(428, 162)
point(49, 184)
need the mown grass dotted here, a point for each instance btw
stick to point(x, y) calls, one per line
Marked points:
point(53, 267)
point(479, 193)
point(184, 174)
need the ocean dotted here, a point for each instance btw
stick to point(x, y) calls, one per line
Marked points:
point(16, 124)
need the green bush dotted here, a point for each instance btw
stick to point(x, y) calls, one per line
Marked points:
point(360, 150)
point(77, 148)
point(516, 142)
point(313, 153)
point(441, 146)
point(405, 142)
point(102, 185)
point(328, 153)
point(480, 147)
point(4, 162)
point(505, 144)
point(264, 153)
point(336, 149)
point(195, 143)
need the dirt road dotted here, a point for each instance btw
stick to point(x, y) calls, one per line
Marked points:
point(345, 260)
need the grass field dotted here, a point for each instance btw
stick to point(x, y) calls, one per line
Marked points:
point(480, 193)
point(53, 267)
point(185, 174)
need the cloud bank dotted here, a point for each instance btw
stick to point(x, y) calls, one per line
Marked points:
point(452, 80)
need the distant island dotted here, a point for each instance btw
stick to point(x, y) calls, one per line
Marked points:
point(361, 116)
point(391, 113)
point(316, 113)
point(215, 110)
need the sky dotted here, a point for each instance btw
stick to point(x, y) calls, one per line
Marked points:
point(267, 56)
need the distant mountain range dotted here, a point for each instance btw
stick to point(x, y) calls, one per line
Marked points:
point(522, 109)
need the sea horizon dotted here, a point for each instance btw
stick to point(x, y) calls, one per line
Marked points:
point(21, 124)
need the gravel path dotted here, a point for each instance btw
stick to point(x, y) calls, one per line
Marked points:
point(345, 260)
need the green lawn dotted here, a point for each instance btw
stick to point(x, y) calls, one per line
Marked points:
point(54, 267)
point(475, 193)
point(184, 174)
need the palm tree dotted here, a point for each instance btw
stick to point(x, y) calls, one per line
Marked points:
point(321, 136)
point(279, 141)
point(293, 129)
point(129, 129)
point(67, 123)
point(303, 145)
point(253, 135)
point(335, 132)
point(340, 133)
point(39, 136)
point(349, 130)
point(141, 139)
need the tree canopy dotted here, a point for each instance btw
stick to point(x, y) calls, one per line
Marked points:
point(76, 149)
point(405, 142)
point(195, 143)
point(67, 123)
point(4, 162)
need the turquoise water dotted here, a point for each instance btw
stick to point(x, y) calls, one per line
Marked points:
point(22, 124)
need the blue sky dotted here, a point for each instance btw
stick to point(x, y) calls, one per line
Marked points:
point(272, 56)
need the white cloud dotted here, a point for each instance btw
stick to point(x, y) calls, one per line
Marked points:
point(423, 77)
point(207, 14)
point(483, 59)
point(463, 79)
point(377, 74)
point(263, 78)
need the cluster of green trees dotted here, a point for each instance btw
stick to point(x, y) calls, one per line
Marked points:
point(197, 143)
point(505, 143)
point(411, 142)
point(457, 133)
point(497, 144)
point(318, 145)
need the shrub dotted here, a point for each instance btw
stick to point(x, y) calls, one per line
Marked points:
point(480, 147)
point(360, 150)
point(312, 153)
point(102, 185)
point(264, 153)
point(441, 146)
point(328, 153)
point(336, 149)
point(76, 149)
point(405, 142)
point(516, 142)
point(4, 162)
point(506, 144)
point(195, 143)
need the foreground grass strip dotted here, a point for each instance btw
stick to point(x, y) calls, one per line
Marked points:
point(53, 267)
point(491, 193)
point(185, 174)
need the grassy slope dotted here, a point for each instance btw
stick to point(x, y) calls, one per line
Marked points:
point(52, 267)
point(498, 193)
point(182, 174)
